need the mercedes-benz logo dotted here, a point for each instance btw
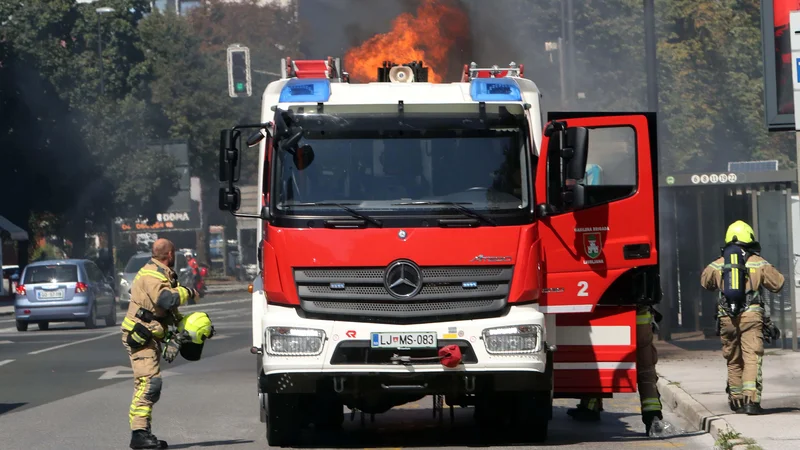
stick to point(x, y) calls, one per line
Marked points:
point(403, 279)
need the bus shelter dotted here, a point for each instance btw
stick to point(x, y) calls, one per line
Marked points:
point(701, 207)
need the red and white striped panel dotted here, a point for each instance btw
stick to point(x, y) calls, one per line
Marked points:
point(310, 68)
point(596, 351)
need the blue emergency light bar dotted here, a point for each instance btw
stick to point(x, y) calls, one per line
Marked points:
point(298, 90)
point(494, 90)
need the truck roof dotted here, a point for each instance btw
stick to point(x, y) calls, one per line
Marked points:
point(376, 93)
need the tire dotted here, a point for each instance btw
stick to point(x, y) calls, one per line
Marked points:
point(91, 321)
point(111, 318)
point(44, 326)
point(532, 412)
point(283, 426)
point(22, 325)
point(328, 411)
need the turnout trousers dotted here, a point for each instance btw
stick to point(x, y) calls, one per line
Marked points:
point(646, 360)
point(743, 348)
point(146, 383)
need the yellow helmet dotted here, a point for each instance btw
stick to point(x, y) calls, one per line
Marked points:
point(197, 326)
point(740, 232)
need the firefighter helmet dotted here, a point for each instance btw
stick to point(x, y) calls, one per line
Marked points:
point(740, 232)
point(198, 327)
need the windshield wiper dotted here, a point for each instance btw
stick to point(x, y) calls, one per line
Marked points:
point(352, 211)
point(459, 206)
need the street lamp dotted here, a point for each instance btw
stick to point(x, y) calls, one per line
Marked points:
point(100, 12)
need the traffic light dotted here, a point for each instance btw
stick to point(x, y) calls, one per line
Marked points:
point(239, 84)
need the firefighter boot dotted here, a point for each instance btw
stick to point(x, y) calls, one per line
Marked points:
point(588, 410)
point(648, 417)
point(736, 404)
point(752, 408)
point(141, 439)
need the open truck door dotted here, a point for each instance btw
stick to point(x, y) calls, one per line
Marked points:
point(599, 233)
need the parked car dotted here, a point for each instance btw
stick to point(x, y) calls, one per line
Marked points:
point(65, 290)
point(136, 262)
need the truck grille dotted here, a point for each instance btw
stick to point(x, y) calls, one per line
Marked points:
point(362, 292)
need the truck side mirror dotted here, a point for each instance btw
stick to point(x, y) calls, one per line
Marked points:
point(574, 154)
point(230, 144)
point(230, 198)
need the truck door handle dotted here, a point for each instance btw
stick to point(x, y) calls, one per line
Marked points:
point(636, 251)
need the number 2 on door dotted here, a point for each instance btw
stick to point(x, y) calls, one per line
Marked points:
point(584, 288)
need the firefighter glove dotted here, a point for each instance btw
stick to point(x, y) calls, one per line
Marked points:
point(173, 346)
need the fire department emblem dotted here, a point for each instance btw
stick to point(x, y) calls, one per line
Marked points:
point(592, 245)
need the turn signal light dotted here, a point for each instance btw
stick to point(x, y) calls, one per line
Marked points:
point(20, 289)
point(80, 287)
point(250, 288)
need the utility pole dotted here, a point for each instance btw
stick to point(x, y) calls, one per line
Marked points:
point(571, 54)
point(666, 200)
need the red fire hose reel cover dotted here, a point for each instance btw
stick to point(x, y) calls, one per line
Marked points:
point(450, 356)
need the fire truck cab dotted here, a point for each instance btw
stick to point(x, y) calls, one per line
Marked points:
point(442, 239)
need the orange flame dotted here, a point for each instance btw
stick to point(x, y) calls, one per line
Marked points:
point(427, 37)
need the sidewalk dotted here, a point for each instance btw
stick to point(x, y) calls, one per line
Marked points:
point(693, 365)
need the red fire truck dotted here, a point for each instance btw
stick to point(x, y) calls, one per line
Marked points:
point(442, 239)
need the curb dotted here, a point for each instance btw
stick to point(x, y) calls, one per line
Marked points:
point(219, 290)
point(692, 410)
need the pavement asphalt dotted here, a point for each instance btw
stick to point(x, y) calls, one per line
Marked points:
point(69, 387)
point(693, 376)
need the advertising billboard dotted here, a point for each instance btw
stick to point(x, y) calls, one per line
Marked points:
point(776, 40)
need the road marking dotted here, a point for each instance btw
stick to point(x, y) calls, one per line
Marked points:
point(74, 343)
point(220, 336)
point(111, 373)
point(6, 342)
point(6, 361)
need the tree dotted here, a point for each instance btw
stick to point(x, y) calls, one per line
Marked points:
point(92, 144)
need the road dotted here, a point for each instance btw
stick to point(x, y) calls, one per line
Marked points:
point(70, 388)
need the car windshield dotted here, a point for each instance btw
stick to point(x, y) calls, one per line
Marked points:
point(62, 273)
point(482, 169)
point(136, 263)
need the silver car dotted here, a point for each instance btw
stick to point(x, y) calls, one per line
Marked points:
point(66, 290)
point(136, 262)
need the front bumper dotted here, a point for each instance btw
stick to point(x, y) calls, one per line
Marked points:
point(348, 342)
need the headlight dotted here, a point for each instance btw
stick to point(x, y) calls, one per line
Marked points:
point(514, 339)
point(286, 341)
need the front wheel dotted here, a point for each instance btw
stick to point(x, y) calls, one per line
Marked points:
point(283, 423)
point(111, 318)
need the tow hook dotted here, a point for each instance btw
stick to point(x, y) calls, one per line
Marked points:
point(256, 350)
point(338, 384)
point(469, 383)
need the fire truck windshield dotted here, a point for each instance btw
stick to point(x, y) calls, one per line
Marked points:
point(481, 169)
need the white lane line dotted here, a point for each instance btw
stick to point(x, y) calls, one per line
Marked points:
point(6, 342)
point(74, 343)
point(6, 361)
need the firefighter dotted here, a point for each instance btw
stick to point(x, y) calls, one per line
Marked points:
point(740, 275)
point(646, 358)
point(155, 297)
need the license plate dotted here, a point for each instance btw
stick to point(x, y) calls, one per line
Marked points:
point(425, 339)
point(50, 295)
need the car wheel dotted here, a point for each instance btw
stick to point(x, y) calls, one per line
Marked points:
point(111, 318)
point(91, 321)
point(44, 326)
point(22, 325)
